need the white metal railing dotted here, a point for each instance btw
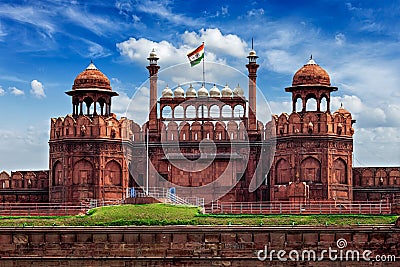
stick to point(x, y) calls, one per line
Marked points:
point(282, 207)
point(165, 195)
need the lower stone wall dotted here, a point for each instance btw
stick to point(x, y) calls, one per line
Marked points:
point(187, 245)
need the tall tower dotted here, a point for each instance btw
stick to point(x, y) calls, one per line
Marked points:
point(314, 146)
point(153, 71)
point(252, 67)
point(86, 156)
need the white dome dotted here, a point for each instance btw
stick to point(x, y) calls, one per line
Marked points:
point(167, 92)
point(179, 92)
point(214, 92)
point(252, 53)
point(190, 92)
point(226, 91)
point(238, 91)
point(202, 92)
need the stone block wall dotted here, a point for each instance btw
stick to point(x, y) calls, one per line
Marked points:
point(186, 245)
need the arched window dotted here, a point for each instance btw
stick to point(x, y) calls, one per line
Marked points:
point(113, 174)
point(367, 178)
point(394, 177)
point(310, 170)
point(57, 174)
point(178, 112)
point(282, 172)
point(311, 104)
point(226, 111)
point(381, 178)
point(238, 111)
point(339, 172)
point(298, 104)
point(166, 112)
point(82, 173)
point(324, 104)
point(190, 112)
point(214, 111)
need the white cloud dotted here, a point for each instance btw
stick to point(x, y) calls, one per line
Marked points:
point(368, 116)
point(281, 61)
point(96, 51)
point(37, 89)
point(100, 25)
point(340, 38)
point(224, 10)
point(255, 12)
point(280, 107)
point(216, 42)
point(163, 11)
point(352, 103)
point(135, 18)
point(135, 108)
point(37, 17)
point(15, 91)
point(2, 33)
point(138, 50)
point(2, 92)
point(377, 146)
point(30, 144)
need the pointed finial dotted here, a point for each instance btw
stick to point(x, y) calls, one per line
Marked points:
point(311, 61)
point(252, 44)
point(91, 61)
point(341, 104)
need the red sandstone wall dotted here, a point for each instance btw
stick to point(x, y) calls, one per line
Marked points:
point(182, 245)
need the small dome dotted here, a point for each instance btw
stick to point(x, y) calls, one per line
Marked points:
point(179, 92)
point(311, 74)
point(214, 92)
point(252, 53)
point(226, 91)
point(238, 91)
point(167, 92)
point(91, 77)
point(153, 54)
point(342, 110)
point(191, 92)
point(202, 91)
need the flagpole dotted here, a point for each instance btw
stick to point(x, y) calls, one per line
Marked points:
point(204, 75)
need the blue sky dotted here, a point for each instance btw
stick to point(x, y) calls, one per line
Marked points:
point(45, 44)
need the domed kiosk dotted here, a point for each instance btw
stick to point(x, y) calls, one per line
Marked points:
point(93, 88)
point(311, 82)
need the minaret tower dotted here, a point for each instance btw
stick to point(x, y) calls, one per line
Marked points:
point(252, 66)
point(153, 71)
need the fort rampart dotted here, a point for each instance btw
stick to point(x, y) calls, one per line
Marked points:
point(187, 245)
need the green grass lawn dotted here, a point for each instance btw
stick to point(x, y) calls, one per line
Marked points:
point(164, 214)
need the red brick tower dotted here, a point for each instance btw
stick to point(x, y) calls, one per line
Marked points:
point(86, 159)
point(313, 145)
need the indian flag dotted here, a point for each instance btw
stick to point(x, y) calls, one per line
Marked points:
point(196, 55)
